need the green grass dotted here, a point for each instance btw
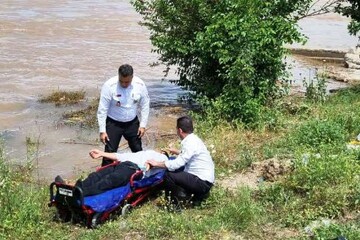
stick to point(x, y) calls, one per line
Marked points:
point(225, 212)
point(323, 183)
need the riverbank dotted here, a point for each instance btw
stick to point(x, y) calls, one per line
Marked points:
point(74, 45)
point(63, 146)
point(304, 183)
point(329, 62)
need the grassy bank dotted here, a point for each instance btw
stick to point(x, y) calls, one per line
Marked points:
point(318, 196)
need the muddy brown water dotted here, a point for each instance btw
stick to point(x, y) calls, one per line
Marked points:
point(77, 45)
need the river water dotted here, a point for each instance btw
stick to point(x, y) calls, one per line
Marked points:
point(77, 45)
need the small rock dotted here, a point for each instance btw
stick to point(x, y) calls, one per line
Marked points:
point(352, 58)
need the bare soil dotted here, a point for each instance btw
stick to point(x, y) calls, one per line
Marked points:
point(263, 172)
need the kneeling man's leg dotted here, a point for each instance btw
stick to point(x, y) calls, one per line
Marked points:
point(176, 181)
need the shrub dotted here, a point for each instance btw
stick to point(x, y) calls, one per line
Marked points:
point(219, 54)
point(315, 89)
point(351, 10)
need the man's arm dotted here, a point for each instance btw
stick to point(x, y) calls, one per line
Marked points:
point(103, 108)
point(154, 163)
point(96, 153)
point(144, 110)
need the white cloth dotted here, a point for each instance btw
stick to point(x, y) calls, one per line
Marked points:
point(139, 158)
point(196, 159)
point(122, 104)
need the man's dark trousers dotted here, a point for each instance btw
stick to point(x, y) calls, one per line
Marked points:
point(115, 130)
point(107, 178)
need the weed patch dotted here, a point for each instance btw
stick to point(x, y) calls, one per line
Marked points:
point(60, 98)
point(316, 133)
point(85, 117)
point(319, 186)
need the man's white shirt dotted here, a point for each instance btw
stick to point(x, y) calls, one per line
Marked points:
point(195, 157)
point(121, 104)
point(139, 158)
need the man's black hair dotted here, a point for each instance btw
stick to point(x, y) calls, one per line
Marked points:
point(126, 70)
point(185, 123)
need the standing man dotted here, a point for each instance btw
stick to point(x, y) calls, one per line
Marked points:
point(198, 174)
point(121, 98)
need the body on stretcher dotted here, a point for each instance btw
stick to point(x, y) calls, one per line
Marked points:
point(72, 206)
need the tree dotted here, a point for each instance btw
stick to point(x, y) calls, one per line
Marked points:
point(351, 8)
point(229, 53)
point(318, 7)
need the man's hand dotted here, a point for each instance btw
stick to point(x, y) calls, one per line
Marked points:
point(104, 137)
point(154, 163)
point(147, 167)
point(151, 163)
point(141, 132)
point(172, 151)
point(95, 153)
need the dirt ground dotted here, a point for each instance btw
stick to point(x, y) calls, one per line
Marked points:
point(264, 172)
